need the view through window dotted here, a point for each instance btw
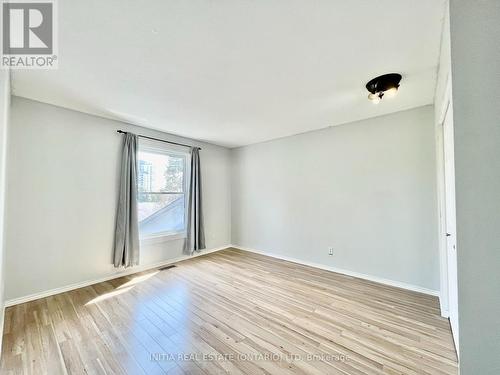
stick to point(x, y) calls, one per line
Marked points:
point(161, 192)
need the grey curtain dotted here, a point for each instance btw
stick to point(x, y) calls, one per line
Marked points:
point(195, 240)
point(126, 247)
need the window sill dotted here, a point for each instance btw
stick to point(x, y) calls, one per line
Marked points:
point(154, 239)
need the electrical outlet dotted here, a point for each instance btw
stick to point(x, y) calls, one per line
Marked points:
point(330, 251)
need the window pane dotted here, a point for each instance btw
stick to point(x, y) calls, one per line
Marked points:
point(174, 175)
point(159, 213)
point(158, 172)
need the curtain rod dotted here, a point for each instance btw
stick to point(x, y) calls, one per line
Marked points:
point(160, 140)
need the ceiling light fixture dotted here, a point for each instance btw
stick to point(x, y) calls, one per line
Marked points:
point(384, 85)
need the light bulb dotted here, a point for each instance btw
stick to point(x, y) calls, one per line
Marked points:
point(375, 98)
point(391, 92)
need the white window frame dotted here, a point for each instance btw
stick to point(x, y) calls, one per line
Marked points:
point(158, 147)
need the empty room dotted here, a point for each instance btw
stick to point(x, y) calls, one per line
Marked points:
point(250, 187)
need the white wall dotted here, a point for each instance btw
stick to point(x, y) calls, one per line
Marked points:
point(475, 57)
point(61, 198)
point(4, 122)
point(366, 188)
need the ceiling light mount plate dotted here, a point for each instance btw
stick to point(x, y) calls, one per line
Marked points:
point(384, 84)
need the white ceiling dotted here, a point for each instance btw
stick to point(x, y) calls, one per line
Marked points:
point(236, 72)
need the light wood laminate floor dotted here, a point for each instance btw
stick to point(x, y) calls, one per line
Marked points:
point(230, 312)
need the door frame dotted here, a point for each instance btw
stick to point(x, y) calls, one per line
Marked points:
point(443, 260)
point(446, 105)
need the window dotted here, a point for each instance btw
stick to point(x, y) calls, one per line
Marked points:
point(161, 190)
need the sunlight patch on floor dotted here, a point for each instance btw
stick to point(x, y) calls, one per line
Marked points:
point(138, 279)
point(108, 295)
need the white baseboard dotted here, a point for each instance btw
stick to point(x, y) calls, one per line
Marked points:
point(137, 269)
point(444, 312)
point(128, 271)
point(398, 284)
